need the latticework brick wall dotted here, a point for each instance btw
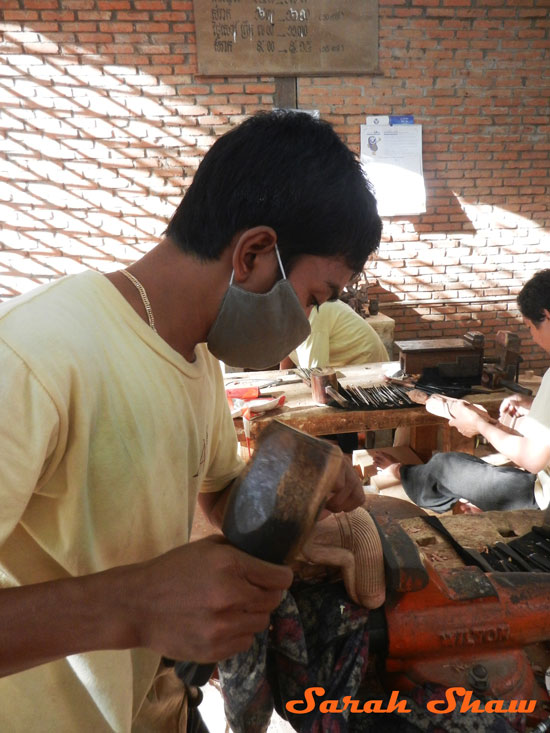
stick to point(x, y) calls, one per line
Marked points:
point(103, 119)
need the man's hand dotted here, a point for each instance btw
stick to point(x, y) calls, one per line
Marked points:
point(515, 405)
point(201, 602)
point(347, 492)
point(468, 419)
point(205, 601)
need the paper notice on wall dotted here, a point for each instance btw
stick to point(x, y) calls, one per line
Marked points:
point(391, 156)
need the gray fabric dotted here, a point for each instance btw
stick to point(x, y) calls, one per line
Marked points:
point(447, 477)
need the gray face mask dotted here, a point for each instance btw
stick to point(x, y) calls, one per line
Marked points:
point(258, 330)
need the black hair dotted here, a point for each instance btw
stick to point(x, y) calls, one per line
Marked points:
point(534, 297)
point(288, 171)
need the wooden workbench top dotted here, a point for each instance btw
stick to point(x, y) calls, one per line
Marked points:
point(301, 412)
point(474, 531)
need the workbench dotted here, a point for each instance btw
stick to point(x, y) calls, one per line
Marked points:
point(427, 432)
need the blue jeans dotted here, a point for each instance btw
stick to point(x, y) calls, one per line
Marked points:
point(447, 477)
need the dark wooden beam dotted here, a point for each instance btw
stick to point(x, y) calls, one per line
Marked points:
point(286, 96)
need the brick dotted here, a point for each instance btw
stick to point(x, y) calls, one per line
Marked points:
point(139, 135)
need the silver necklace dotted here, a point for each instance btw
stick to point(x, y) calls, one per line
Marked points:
point(144, 298)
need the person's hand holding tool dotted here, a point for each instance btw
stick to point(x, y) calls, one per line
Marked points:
point(468, 418)
point(515, 405)
point(203, 601)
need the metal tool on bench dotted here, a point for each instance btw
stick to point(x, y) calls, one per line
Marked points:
point(459, 627)
point(528, 553)
point(327, 390)
point(377, 397)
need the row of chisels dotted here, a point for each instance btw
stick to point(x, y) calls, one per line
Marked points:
point(374, 397)
point(529, 553)
point(526, 554)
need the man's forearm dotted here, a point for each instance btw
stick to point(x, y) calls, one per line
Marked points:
point(522, 451)
point(47, 621)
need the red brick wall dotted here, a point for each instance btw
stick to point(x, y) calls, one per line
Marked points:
point(103, 119)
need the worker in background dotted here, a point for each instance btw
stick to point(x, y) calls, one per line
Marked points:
point(113, 418)
point(339, 337)
point(466, 483)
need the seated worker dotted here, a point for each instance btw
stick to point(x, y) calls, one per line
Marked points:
point(339, 336)
point(448, 478)
point(113, 417)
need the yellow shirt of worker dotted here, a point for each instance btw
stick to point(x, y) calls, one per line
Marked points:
point(339, 336)
point(107, 437)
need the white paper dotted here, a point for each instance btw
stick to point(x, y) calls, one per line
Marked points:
point(391, 156)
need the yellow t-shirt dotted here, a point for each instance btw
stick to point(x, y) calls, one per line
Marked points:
point(107, 435)
point(339, 336)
